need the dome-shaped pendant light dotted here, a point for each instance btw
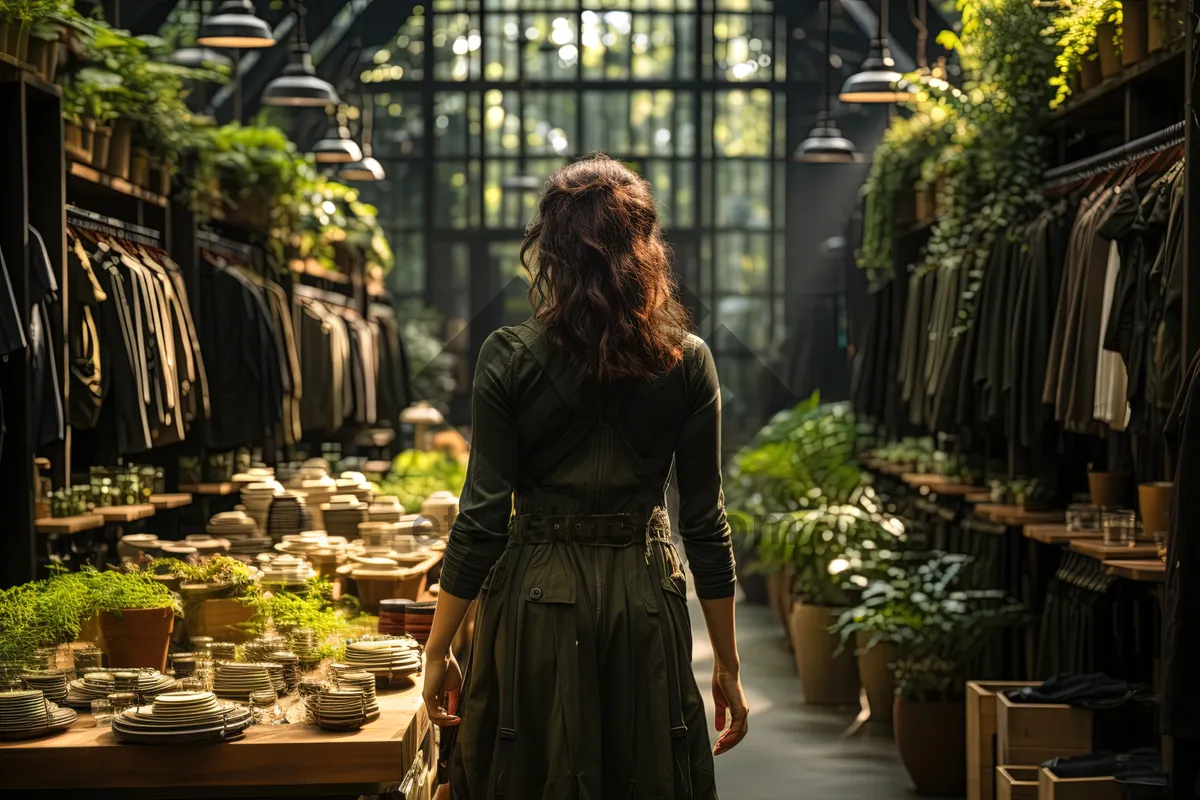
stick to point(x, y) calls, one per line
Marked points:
point(876, 79)
point(825, 143)
point(235, 25)
point(336, 147)
point(298, 86)
point(366, 168)
point(197, 57)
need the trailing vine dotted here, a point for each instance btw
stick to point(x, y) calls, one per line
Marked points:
point(1075, 26)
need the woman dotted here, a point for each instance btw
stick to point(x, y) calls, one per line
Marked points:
point(580, 684)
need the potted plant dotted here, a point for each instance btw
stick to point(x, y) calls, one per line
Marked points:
point(42, 613)
point(212, 590)
point(937, 630)
point(136, 614)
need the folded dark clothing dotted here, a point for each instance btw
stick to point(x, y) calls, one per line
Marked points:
point(1090, 765)
point(1095, 691)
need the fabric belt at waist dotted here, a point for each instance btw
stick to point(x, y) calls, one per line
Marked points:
point(614, 530)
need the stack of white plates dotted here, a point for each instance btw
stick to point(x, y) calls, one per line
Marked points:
point(291, 667)
point(288, 570)
point(385, 657)
point(317, 492)
point(51, 682)
point(257, 497)
point(385, 508)
point(343, 514)
point(365, 682)
point(339, 709)
point(323, 551)
point(182, 718)
point(99, 685)
point(260, 648)
point(354, 483)
point(236, 680)
point(26, 714)
point(222, 651)
point(243, 534)
point(304, 645)
point(206, 545)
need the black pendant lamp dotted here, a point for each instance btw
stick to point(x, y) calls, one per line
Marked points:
point(298, 86)
point(236, 26)
point(336, 147)
point(199, 57)
point(825, 143)
point(365, 168)
point(876, 79)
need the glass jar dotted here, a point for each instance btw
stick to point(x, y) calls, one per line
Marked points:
point(102, 713)
point(1083, 517)
point(87, 656)
point(265, 708)
point(10, 675)
point(147, 483)
point(1119, 526)
point(122, 700)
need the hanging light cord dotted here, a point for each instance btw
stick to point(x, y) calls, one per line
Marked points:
point(828, 57)
point(918, 15)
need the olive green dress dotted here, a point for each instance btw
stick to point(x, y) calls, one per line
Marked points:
point(580, 685)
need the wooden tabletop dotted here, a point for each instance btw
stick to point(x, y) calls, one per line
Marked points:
point(86, 522)
point(86, 757)
point(209, 488)
point(126, 513)
point(1015, 515)
point(1150, 570)
point(1057, 534)
point(979, 497)
point(178, 500)
point(1096, 548)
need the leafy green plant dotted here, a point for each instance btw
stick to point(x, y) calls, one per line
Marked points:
point(416, 474)
point(936, 626)
point(42, 613)
point(217, 570)
point(1076, 26)
point(115, 591)
point(314, 609)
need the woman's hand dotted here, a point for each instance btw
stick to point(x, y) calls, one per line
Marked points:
point(443, 680)
point(729, 697)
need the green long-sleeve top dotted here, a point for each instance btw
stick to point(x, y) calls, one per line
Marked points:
point(521, 412)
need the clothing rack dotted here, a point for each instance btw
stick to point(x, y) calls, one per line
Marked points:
point(322, 295)
point(89, 220)
point(227, 247)
point(1116, 157)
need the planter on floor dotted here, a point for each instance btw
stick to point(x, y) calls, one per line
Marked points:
point(138, 637)
point(931, 738)
point(754, 587)
point(828, 679)
point(876, 676)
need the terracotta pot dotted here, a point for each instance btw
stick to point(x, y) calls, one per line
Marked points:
point(828, 680)
point(138, 637)
point(89, 136)
point(37, 55)
point(1111, 489)
point(932, 740)
point(1135, 15)
point(876, 676)
point(1110, 59)
point(925, 204)
point(73, 134)
point(1154, 501)
point(166, 171)
point(219, 618)
point(119, 149)
point(1157, 27)
point(100, 146)
point(139, 168)
point(1089, 73)
point(4, 37)
point(18, 39)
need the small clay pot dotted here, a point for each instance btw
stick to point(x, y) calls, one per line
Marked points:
point(1135, 17)
point(139, 167)
point(1110, 61)
point(1090, 75)
point(1111, 489)
point(1154, 501)
point(828, 679)
point(119, 149)
point(100, 146)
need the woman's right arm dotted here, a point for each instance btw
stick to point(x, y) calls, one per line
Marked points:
point(706, 538)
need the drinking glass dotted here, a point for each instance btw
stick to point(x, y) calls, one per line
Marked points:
point(265, 708)
point(87, 656)
point(1119, 526)
point(121, 701)
point(192, 684)
point(102, 713)
point(1083, 517)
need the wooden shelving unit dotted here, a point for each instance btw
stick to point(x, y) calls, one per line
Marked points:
point(1147, 571)
point(1125, 552)
point(1057, 534)
point(209, 489)
point(169, 501)
point(125, 513)
point(95, 176)
point(69, 525)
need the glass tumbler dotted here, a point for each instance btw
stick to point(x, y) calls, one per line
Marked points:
point(1083, 517)
point(1119, 526)
point(265, 708)
point(102, 713)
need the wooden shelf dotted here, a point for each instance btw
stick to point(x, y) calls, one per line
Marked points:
point(1150, 69)
point(95, 176)
point(168, 501)
point(126, 513)
point(1057, 534)
point(1147, 571)
point(210, 489)
point(69, 525)
point(1015, 515)
point(12, 69)
point(979, 497)
point(1096, 548)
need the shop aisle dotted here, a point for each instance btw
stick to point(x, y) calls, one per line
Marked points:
point(793, 752)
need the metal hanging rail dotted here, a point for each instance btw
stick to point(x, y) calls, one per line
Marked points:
point(228, 247)
point(90, 220)
point(1115, 157)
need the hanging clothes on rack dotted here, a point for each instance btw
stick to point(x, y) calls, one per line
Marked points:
point(48, 419)
point(394, 392)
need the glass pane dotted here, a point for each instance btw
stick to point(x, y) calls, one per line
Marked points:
point(550, 123)
point(684, 138)
point(399, 125)
point(743, 262)
point(451, 208)
point(748, 319)
point(633, 123)
point(453, 114)
point(743, 196)
point(456, 43)
point(403, 57)
point(685, 195)
point(685, 50)
point(743, 47)
point(502, 123)
point(408, 276)
point(503, 47)
point(662, 185)
point(401, 198)
point(781, 147)
point(653, 45)
point(606, 122)
point(742, 123)
point(739, 5)
point(507, 203)
point(551, 46)
point(606, 44)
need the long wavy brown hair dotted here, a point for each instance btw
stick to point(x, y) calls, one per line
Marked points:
point(600, 273)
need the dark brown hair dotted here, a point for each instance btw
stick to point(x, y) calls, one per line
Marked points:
point(601, 280)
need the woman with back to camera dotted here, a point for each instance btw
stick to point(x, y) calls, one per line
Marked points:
point(580, 685)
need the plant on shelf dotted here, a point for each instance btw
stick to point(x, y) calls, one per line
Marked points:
point(116, 592)
point(1076, 26)
point(245, 169)
point(42, 613)
point(416, 474)
point(327, 218)
point(231, 577)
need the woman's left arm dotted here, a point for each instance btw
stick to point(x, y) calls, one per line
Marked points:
point(480, 533)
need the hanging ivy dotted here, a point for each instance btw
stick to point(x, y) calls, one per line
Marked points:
point(1075, 26)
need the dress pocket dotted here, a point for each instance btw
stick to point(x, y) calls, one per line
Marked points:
point(550, 577)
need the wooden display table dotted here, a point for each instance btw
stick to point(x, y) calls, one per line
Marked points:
point(1057, 534)
point(85, 758)
point(166, 501)
point(86, 522)
point(215, 489)
point(1015, 515)
point(1096, 548)
point(1147, 571)
point(126, 513)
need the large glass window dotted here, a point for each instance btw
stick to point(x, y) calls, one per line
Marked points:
point(478, 101)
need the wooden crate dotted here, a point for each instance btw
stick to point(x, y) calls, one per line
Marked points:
point(1032, 733)
point(1017, 783)
point(981, 736)
point(1052, 787)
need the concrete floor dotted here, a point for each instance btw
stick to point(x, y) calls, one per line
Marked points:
point(792, 752)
